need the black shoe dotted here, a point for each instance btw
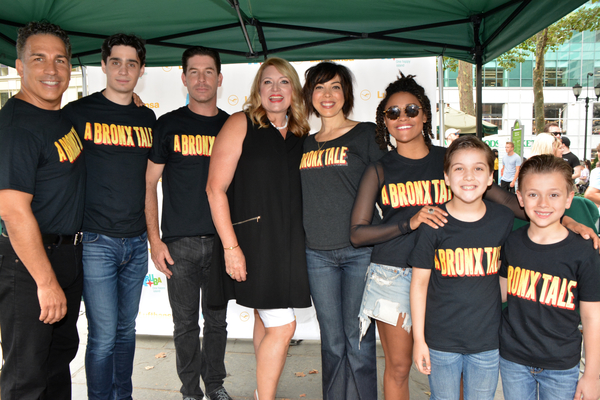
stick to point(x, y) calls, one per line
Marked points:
point(219, 394)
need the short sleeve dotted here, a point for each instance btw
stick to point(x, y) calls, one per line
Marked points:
point(589, 277)
point(423, 254)
point(595, 178)
point(159, 153)
point(518, 163)
point(20, 156)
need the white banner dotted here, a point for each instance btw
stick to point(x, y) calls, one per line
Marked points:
point(162, 90)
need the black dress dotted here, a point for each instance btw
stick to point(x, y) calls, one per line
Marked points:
point(265, 200)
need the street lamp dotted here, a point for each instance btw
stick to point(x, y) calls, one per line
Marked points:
point(577, 92)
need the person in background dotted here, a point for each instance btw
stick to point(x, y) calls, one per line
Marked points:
point(185, 252)
point(336, 270)
point(117, 137)
point(554, 129)
point(451, 135)
point(546, 143)
point(255, 198)
point(584, 177)
point(496, 177)
point(510, 168)
point(571, 158)
point(42, 182)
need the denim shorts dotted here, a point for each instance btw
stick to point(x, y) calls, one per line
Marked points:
point(386, 296)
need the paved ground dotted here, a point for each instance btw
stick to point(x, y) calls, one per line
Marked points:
point(156, 378)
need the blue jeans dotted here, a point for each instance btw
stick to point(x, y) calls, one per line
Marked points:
point(192, 256)
point(113, 275)
point(479, 370)
point(520, 382)
point(337, 282)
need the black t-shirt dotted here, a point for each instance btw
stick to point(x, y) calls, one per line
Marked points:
point(41, 154)
point(117, 140)
point(572, 159)
point(463, 296)
point(545, 284)
point(408, 185)
point(330, 174)
point(183, 141)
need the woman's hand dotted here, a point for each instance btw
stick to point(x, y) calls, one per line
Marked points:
point(235, 264)
point(430, 215)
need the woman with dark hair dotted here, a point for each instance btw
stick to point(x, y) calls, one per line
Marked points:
point(406, 184)
point(334, 159)
point(255, 196)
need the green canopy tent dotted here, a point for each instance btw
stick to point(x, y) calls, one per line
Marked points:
point(475, 31)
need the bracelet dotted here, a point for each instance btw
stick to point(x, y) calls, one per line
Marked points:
point(232, 247)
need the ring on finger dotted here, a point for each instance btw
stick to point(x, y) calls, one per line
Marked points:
point(431, 211)
point(231, 274)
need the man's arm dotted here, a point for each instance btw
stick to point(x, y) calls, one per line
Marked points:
point(593, 194)
point(26, 239)
point(514, 181)
point(158, 250)
point(577, 172)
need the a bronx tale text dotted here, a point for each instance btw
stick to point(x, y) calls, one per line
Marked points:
point(555, 291)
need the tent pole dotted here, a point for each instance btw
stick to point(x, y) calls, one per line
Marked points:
point(236, 5)
point(479, 106)
point(441, 108)
point(84, 89)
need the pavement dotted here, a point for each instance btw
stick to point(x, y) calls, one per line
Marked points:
point(155, 376)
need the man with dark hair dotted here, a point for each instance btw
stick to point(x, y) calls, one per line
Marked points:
point(117, 137)
point(571, 158)
point(553, 128)
point(42, 178)
point(183, 141)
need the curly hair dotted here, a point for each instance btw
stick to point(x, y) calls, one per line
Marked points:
point(324, 72)
point(40, 28)
point(409, 85)
point(297, 122)
point(122, 39)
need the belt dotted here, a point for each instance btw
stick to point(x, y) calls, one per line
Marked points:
point(58, 240)
point(206, 236)
point(50, 239)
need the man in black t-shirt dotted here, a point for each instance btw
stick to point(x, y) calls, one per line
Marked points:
point(183, 141)
point(571, 158)
point(117, 137)
point(42, 175)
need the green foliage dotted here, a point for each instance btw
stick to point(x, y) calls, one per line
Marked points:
point(585, 18)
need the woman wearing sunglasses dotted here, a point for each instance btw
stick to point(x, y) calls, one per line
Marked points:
point(407, 184)
point(333, 161)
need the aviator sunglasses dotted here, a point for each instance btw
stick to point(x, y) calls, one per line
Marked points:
point(411, 110)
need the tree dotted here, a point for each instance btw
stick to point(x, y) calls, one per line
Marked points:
point(585, 18)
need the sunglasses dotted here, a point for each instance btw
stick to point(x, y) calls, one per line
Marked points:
point(411, 111)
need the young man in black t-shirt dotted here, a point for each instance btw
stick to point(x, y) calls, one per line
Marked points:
point(547, 273)
point(183, 141)
point(454, 293)
point(117, 137)
point(571, 158)
point(42, 176)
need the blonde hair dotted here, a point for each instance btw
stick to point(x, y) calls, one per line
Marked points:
point(297, 121)
point(544, 143)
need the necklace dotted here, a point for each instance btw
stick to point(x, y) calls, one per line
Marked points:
point(321, 145)
point(281, 127)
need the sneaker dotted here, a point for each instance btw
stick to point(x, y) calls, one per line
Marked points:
point(219, 394)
